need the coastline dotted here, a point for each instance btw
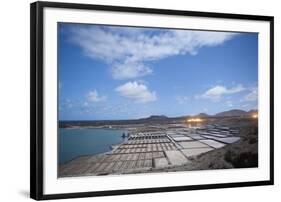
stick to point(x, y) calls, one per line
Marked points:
point(82, 141)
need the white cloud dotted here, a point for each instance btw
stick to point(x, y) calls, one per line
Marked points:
point(85, 104)
point(137, 92)
point(93, 96)
point(252, 96)
point(245, 105)
point(66, 104)
point(218, 91)
point(182, 99)
point(128, 50)
point(229, 103)
point(130, 70)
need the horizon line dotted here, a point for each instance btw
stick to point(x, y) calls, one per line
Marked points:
point(156, 115)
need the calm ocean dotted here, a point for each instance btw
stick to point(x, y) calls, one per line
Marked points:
point(85, 141)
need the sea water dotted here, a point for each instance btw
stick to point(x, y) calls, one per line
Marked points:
point(86, 141)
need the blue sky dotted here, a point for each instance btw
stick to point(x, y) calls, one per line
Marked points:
point(113, 72)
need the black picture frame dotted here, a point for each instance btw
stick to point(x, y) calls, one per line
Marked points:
point(36, 98)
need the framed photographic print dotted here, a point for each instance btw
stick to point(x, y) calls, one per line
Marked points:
point(136, 100)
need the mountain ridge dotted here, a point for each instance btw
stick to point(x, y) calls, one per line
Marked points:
point(228, 113)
